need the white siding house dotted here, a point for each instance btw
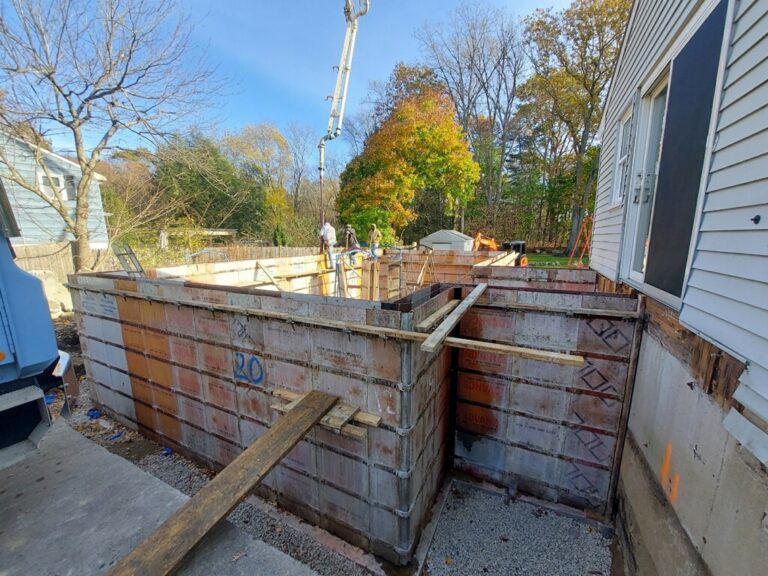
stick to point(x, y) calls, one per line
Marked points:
point(726, 294)
point(682, 217)
point(721, 291)
point(38, 221)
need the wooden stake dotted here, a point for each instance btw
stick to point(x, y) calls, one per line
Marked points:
point(167, 546)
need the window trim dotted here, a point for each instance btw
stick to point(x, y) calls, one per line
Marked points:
point(711, 137)
point(621, 180)
point(627, 273)
point(44, 188)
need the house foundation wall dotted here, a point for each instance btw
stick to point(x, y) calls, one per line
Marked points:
point(195, 366)
point(692, 500)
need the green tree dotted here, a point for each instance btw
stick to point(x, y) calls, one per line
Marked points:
point(193, 171)
point(574, 52)
point(418, 149)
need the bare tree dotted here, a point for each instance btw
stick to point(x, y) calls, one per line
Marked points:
point(91, 71)
point(134, 199)
point(479, 57)
point(301, 143)
point(357, 128)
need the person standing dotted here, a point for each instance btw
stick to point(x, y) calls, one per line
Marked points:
point(328, 237)
point(350, 238)
point(374, 237)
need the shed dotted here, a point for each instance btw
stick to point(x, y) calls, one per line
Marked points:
point(447, 240)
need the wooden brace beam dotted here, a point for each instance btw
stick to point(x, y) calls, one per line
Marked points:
point(429, 322)
point(436, 339)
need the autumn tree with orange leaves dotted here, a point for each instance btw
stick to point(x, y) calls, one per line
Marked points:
point(419, 149)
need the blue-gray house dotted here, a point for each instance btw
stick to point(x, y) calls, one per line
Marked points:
point(38, 221)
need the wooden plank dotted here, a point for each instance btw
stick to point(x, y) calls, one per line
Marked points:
point(506, 349)
point(428, 322)
point(167, 546)
point(348, 430)
point(363, 418)
point(436, 339)
point(507, 260)
point(599, 312)
point(339, 415)
point(380, 331)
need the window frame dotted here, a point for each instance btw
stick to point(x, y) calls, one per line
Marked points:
point(659, 74)
point(47, 189)
point(623, 166)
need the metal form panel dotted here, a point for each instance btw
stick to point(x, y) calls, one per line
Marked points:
point(198, 378)
point(551, 430)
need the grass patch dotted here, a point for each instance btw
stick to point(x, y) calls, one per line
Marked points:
point(544, 260)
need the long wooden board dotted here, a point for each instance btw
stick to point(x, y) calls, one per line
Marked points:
point(509, 350)
point(436, 339)
point(353, 327)
point(428, 322)
point(167, 546)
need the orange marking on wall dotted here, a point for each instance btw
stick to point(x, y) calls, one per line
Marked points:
point(671, 486)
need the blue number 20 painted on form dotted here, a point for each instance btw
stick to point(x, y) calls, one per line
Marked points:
point(248, 369)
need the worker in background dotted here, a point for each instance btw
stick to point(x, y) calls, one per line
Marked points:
point(328, 237)
point(350, 242)
point(350, 238)
point(374, 237)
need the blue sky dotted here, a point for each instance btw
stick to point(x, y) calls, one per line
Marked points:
point(278, 55)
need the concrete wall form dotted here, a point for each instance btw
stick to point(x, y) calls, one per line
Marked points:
point(298, 274)
point(192, 365)
point(198, 378)
point(551, 430)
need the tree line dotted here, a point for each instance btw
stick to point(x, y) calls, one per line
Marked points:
point(495, 130)
point(255, 181)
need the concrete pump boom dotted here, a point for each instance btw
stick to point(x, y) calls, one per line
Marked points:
point(339, 99)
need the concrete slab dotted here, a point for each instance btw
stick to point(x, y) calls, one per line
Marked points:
point(73, 508)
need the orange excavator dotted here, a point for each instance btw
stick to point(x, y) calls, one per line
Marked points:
point(482, 242)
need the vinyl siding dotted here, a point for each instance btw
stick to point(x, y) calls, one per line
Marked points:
point(653, 27)
point(38, 221)
point(726, 298)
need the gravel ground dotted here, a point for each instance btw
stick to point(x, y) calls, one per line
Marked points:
point(186, 477)
point(478, 533)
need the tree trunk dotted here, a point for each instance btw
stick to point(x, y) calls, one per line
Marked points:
point(81, 251)
point(577, 215)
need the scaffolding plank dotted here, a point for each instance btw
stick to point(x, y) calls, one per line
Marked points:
point(167, 546)
point(428, 322)
point(436, 339)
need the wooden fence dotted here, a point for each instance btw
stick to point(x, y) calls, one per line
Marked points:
point(54, 257)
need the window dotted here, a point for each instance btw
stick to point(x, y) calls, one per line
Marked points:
point(51, 182)
point(621, 174)
point(70, 186)
point(675, 116)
